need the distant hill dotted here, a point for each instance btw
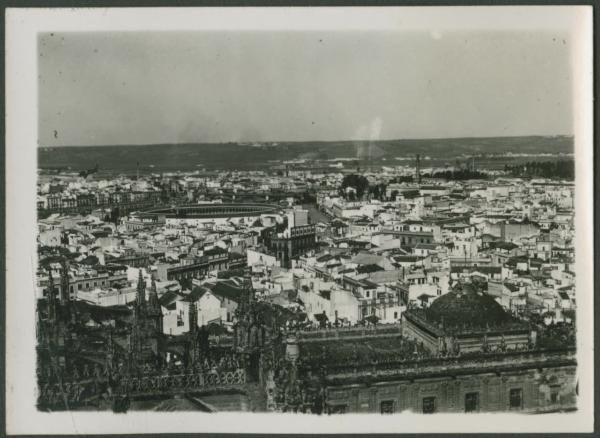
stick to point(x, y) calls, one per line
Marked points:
point(241, 156)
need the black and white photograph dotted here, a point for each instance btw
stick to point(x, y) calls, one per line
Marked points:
point(236, 219)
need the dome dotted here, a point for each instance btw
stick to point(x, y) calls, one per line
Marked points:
point(467, 306)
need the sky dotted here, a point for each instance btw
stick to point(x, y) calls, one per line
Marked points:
point(109, 88)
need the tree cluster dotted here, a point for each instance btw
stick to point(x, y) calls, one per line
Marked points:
point(564, 169)
point(457, 175)
point(378, 191)
point(357, 182)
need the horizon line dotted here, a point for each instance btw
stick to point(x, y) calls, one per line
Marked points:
point(240, 142)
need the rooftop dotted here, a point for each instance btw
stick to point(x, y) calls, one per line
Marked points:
point(465, 309)
point(359, 352)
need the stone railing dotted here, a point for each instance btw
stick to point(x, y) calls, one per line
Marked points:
point(350, 332)
point(182, 382)
point(68, 394)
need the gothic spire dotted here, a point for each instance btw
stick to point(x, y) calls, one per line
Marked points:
point(110, 351)
point(193, 317)
point(51, 297)
point(141, 291)
point(64, 281)
point(248, 288)
point(193, 351)
point(153, 303)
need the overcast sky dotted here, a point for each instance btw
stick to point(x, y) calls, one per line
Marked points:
point(176, 87)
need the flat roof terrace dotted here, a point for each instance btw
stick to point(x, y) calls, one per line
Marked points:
point(214, 211)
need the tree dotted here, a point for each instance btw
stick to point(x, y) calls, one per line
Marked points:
point(377, 191)
point(357, 182)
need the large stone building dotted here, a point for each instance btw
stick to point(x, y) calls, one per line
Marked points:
point(295, 239)
point(493, 365)
point(465, 320)
point(527, 381)
point(289, 246)
point(195, 267)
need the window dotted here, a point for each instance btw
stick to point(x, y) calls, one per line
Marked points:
point(555, 394)
point(395, 315)
point(428, 405)
point(471, 402)
point(516, 398)
point(79, 286)
point(368, 294)
point(87, 285)
point(387, 407)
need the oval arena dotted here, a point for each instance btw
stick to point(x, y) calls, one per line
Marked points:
point(215, 211)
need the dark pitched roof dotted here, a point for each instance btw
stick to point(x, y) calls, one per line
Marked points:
point(406, 258)
point(196, 294)
point(365, 269)
point(226, 289)
point(563, 295)
point(324, 258)
point(236, 255)
point(214, 251)
point(168, 298)
point(511, 287)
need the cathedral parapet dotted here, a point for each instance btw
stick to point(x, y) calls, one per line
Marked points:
point(464, 365)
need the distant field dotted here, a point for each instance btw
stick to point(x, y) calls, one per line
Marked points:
point(156, 158)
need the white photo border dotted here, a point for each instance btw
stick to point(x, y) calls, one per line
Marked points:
point(22, 28)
